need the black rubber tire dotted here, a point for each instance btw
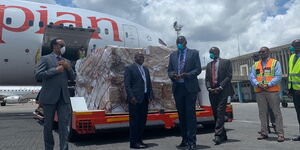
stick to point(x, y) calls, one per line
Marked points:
point(284, 104)
point(3, 103)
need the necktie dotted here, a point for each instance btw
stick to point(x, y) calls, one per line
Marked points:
point(181, 62)
point(58, 58)
point(213, 73)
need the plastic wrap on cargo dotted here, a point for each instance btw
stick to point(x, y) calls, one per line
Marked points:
point(100, 78)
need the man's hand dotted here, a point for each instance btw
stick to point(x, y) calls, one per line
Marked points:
point(175, 76)
point(65, 64)
point(133, 101)
point(217, 90)
point(261, 86)
point(59, 68)
point(183, 75)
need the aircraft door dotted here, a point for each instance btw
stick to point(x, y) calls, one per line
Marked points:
point(131, 38)
point(75, 38)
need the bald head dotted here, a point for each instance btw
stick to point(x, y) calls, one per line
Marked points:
point(264, 53)
point(139, 58)
point(296, 45)
point(181, 40)
point(214, 52)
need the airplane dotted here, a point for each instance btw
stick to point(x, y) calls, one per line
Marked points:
point(17, 94)
point(23, 35)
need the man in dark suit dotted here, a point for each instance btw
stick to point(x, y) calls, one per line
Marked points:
point(184, 67)
point(218, 83)
point(54, 71)
point(139, 91)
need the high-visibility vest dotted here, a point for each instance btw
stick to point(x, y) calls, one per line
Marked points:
point(294, 73)
point(264, 76)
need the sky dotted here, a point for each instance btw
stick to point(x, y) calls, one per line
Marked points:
point(237, 27)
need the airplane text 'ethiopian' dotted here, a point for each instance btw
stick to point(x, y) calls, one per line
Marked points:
point(43, 17)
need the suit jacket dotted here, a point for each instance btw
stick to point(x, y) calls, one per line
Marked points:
point(53, 83)
point(134, 83)
point(224, 77)
point(192, 67)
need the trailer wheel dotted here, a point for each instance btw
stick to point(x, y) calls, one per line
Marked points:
point(284, 104)
point(3, 103)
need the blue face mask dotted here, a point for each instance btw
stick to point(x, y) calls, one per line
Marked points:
point(292, 49)
point(212, 55)
point(180, 47)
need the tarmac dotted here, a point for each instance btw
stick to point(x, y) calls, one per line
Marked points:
point(19, 131)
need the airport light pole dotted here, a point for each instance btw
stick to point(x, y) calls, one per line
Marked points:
point(177, 27)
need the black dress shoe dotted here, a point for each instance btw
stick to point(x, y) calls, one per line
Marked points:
point(217, 140)
point(183, 144)
point(296, 138)
point(137, 146)
point(142, 143)
point(224, 138)
point(192, 147)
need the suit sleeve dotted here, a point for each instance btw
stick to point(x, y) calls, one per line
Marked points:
point(127, 82)
point(207, 80)
point(197, 64)
point(42, 71)
point(228, 74)
point(71, 73)
point(171, 69)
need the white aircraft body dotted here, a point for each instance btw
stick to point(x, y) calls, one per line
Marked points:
point(22, 31)
point(16, 94)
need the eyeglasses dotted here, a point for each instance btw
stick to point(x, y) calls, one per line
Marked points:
point(61, 45)
point(262, 52)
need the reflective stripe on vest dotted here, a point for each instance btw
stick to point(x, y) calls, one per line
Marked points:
point(264, 76)
point(294, 73)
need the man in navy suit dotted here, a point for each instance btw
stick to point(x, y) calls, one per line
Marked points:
point(139, 91)
point(184, 67)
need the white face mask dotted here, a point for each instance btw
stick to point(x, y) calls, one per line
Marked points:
point(62, 50)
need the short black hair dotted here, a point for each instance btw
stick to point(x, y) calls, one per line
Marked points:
point(296, 43)
point(264, 47)
point(54, 42)
point(215, 49)
point(181, 39)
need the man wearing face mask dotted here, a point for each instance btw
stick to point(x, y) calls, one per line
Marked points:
point(294, 78)
point(218, 83)
point(184, 67)
point(271, 117)
point(139, 92)
point(54, 71)
point(265, 76)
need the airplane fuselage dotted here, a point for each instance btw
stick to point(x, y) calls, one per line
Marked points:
point(22, 27)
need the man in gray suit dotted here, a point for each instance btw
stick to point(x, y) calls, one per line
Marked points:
point(184, 67)
point(54, 71)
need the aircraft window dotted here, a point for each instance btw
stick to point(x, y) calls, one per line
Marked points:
point(98, 30)
point(41, 24)
point(5, 60)
point(26, 50)
point(30, 23)
point(126, 34)
point(8, 20)
point(149, 38)
point(106, 31)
